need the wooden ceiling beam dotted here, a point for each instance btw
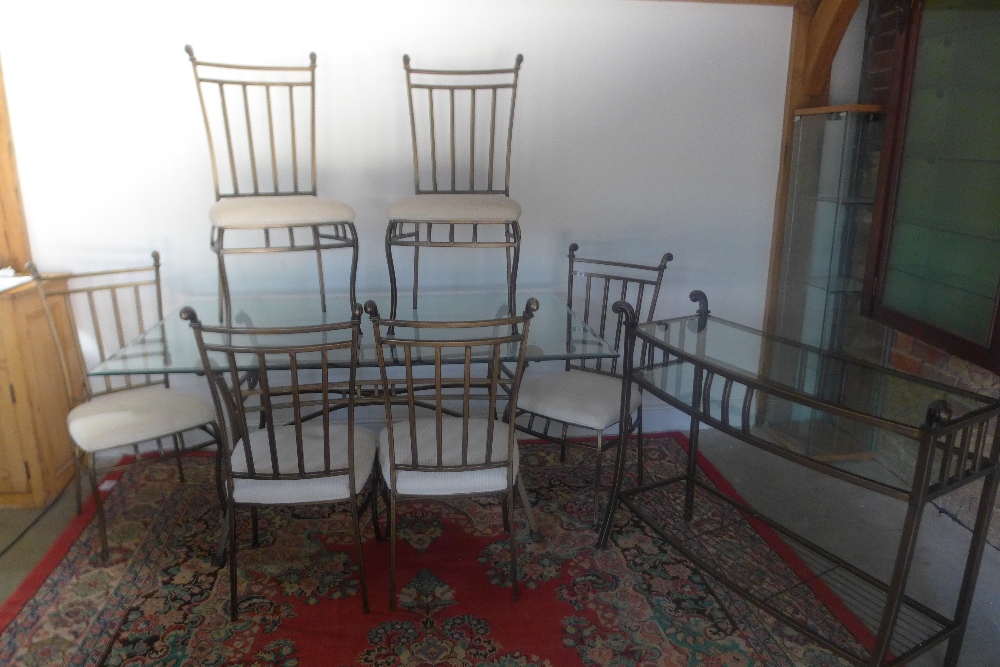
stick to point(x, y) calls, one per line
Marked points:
point(826, 31)
point(818, 27)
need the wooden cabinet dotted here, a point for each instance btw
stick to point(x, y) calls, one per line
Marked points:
point(36, 453)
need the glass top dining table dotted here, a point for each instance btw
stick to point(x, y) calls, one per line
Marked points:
point(555, 332)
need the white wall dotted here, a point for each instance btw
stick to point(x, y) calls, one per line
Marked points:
point(642, 127)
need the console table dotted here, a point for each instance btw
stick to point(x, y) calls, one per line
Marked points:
point(819, 410)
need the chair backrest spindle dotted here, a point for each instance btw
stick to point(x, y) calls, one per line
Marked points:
point(593, 285)
point(276, 144)
point(282, 376)
point(463, 363)
point(105, 309)
point(445, 158)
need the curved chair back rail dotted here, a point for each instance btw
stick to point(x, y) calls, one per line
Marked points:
point(261, 126)
point(462, 126)
point(594, 285)
point(282, 446)
point(107, 309)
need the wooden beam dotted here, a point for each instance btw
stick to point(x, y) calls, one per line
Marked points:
point(14, 248)
point(795, 97)
point(817, 30)
point(773, 3)
point(826, 31)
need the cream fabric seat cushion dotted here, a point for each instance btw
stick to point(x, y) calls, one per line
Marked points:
point(443, 483)
point(312, 490)
point(576, 397)
point(132, 416)
point(468, 208)
point(276, 210)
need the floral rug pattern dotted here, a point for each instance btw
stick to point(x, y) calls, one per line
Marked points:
point(159, 600)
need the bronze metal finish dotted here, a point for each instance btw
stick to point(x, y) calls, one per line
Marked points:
point(459, 149)
point(451, 362)
point(262, 120)
point(591, 291)
point(292, 383)
point(107, 309)
point(953, 448)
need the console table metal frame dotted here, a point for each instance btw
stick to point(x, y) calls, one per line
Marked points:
point(951, 453)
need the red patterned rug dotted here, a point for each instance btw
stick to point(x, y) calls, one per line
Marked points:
point(160, 601)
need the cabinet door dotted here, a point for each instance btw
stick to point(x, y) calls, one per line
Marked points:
point(13, 471)
point(46, 393)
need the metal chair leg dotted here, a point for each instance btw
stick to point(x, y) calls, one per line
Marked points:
point(219, 559)
point(392, 551)
point(639, 443)
point(178, 450)
point(536, 535)
point(319, 266)
point(77, 481)
point(234, 607)
point(356, 523)
point(505, 514)
point(102, 525)
point(597, 477)
point(509, 507)
point(255, 541)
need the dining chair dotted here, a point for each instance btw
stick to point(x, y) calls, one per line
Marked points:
point(451, 443)
point(461, 126)
point(261, 126)
point(588, 393)
point(111, 416)
point(275, 392)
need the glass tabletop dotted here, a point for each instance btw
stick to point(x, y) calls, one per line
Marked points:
point(555, 332)
point(871, 389)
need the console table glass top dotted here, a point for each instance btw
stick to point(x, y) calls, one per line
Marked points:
point(832, 409)
point(169, 346)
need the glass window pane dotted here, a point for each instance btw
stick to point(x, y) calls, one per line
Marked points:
point(944, 259)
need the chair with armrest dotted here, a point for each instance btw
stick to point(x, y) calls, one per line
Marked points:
point(261, 125)
point(449, 448)
point(111, 417)
point(283, 376)
point(587, 395)
point(461, 125)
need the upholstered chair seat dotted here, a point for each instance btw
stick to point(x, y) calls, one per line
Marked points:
point(136, 415)
point(576, 397)
point(309, 490)
point(434, 483)
point(278, 211)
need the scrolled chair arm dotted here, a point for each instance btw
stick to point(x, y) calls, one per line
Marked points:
point(189, 315)
point(531, 307)
point(938, 414)
point(699, 297)
point(625, 309)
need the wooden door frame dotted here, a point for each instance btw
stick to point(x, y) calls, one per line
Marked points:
point(14, 248)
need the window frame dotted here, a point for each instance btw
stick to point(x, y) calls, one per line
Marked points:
point(884, 214)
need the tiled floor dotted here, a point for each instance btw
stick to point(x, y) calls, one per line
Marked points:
point(42, 528)
point(823, 509)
